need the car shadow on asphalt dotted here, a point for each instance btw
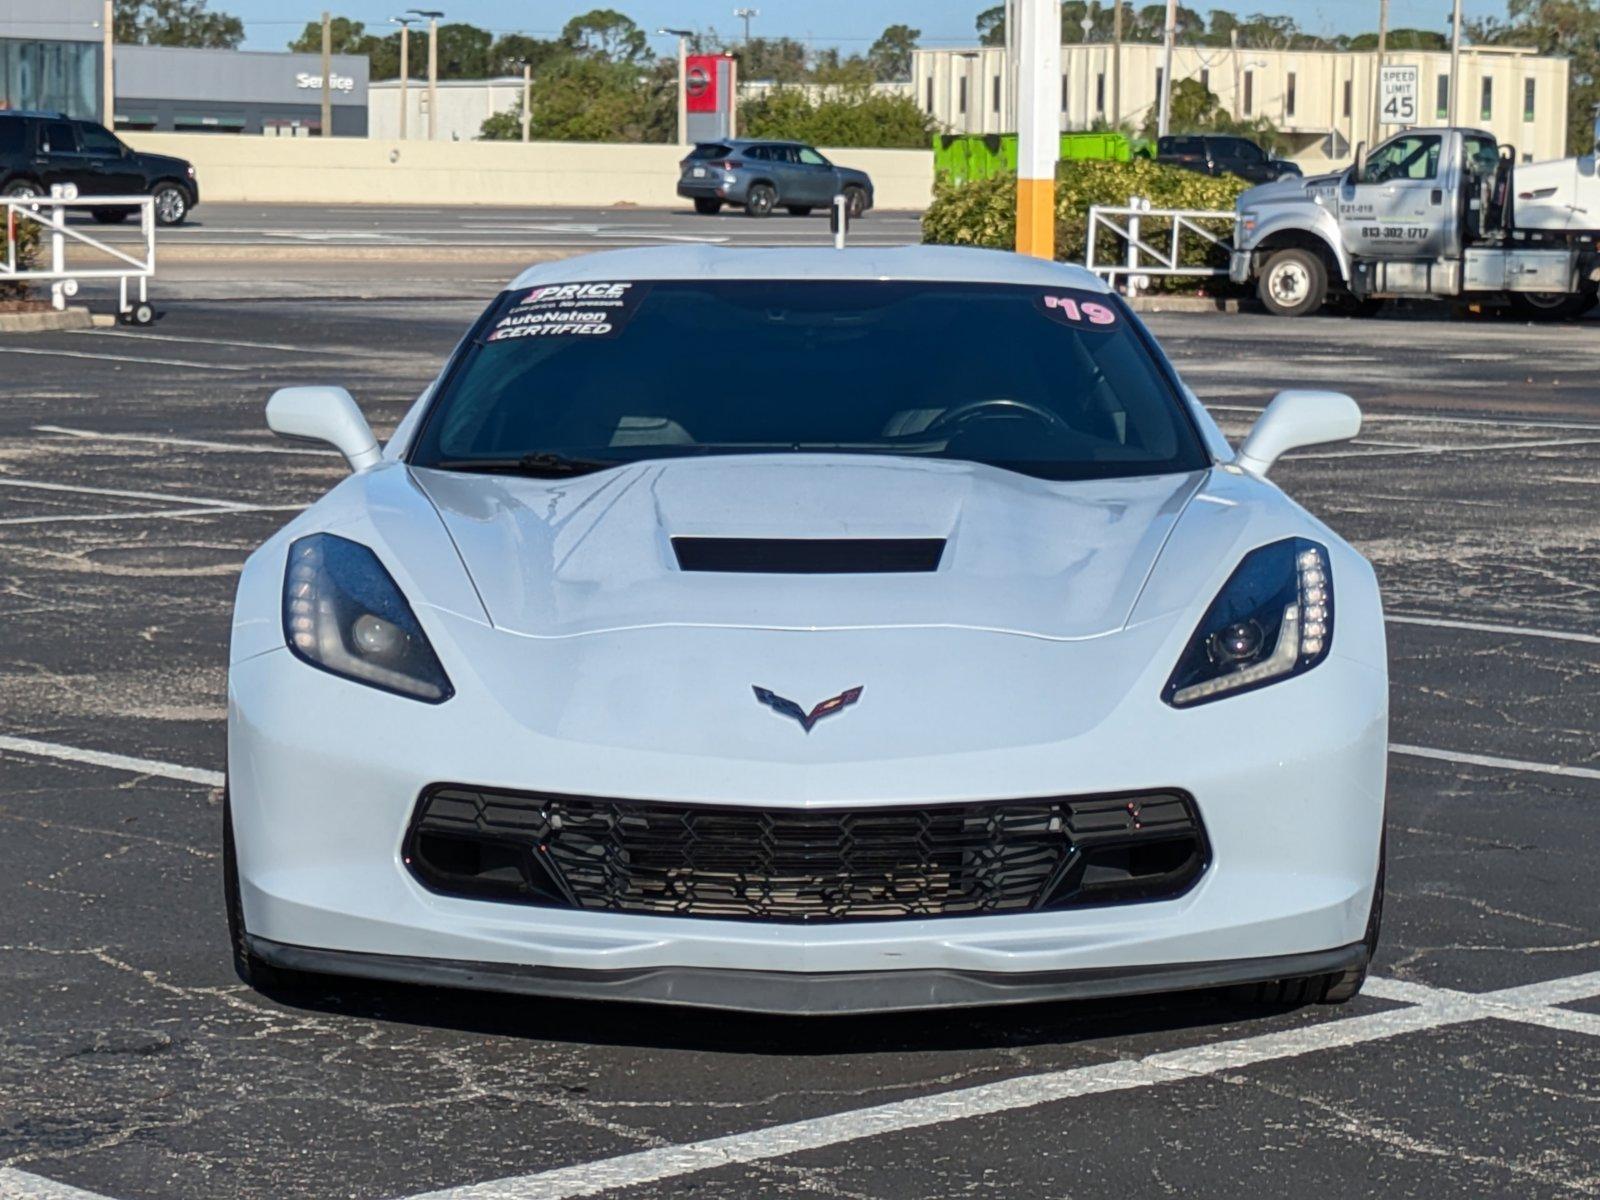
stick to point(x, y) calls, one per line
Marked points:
point(660, 1027)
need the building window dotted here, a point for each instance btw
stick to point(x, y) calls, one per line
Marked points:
point(996, 90)
point(1347, 96)
point(1158, 84)
point(53, 76)
point(1441, 98)
point(1063, 91)
point(1205, 78)
point(1249, 92)
point(1527, 99)
point(1288, 96)
point(961, 99)
point(1100, 92)
point(930, 93)
point(1486, 104)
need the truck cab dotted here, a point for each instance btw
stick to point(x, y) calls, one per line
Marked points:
point(1430, 213)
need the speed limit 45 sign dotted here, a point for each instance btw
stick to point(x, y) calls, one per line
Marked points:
point(1397, 95)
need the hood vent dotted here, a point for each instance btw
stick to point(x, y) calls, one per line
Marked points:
point(809, 556)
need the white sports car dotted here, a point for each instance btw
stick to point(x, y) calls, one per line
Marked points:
point(808, 631)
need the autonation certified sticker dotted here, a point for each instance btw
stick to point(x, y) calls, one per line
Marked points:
point(570, 310)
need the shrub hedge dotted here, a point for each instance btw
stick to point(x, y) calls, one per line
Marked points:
point(27, 238)
point(984, 212)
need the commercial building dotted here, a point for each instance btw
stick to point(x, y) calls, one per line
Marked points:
point(236, 91)
point(464, 105)
point(1321, 100)
point(50, 56)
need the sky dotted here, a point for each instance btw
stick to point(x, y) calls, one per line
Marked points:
point(850, 25)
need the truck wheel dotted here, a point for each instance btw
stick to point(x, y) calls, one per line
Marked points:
point(1293, 283)
point(1549, 306)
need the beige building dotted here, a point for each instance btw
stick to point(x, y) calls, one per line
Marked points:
point(1321, 99)
point(464, 105)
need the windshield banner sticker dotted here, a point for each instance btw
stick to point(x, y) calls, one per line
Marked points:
point(594, 310)
point(1077, 311)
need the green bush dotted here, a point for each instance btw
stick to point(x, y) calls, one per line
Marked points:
point(984, 212)
point(848, 117)
point(27, 237)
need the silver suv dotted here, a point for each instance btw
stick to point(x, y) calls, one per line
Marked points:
point(761, 175)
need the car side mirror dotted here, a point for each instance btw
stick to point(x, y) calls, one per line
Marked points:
point(1295, 419)
point(1360, 168)
point(325, 414)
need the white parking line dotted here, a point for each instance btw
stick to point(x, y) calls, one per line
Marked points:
point(1432, 1008)
point(1558, 635)
point(20, 1185)
point(152, 515)
point(116, 762)
point(1368, 418)
point(1481, 448)
point(120, 493)
point(161, 439)
point(125, 358)
point(314, 351)
point(1499, 764)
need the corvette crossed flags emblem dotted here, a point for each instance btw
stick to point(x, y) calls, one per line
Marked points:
point(788, 708)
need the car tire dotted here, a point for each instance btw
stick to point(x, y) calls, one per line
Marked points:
point(1339, 987)
point(255, 972)
point(110, 216)
point(1293, 283)
point(1549, 306)
point(760, 200)
point(23, 189)
point(706, 206)
point(171, 204)
point(855, 200)
point(799, 210)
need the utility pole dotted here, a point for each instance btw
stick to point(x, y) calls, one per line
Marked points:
point(744, 14)
point(405, 70)
point(1013, 96)
point(1455, 64)
point(327, 75)
point(108, 87)
point(1238, 80)
point(1038, 125)
point(683, 36)
point(1376, 126)
point(1168, 38)
point(527, 102)
point(433, 68)
point(1116, 64)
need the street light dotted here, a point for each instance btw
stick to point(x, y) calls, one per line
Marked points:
point(683, 36)
point(432, 18)
point(1087, 24)
point(744, 14)
point(405, 69)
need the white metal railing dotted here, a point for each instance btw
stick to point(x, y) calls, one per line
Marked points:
point(49, 213)
point(1141, 258)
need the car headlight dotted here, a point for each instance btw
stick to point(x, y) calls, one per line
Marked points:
point(344, 614)
point(1272, 620)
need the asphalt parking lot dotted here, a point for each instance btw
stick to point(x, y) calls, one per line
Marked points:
point(135, 476)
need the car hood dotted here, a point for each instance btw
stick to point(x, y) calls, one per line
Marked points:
point(1287, 188)
point(553, 558)
point(162, 162)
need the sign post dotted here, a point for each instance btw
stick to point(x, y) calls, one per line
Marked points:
point(1397, 95)
point(1038, 124)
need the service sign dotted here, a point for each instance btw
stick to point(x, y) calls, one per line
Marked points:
point(1398, 89)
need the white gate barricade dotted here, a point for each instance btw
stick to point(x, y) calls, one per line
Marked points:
point(49, 213)
point(1143, 259)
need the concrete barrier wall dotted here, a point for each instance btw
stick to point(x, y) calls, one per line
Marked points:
point(377, 171)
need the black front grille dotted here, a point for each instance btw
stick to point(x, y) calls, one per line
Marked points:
point(805, 864)
point(809, 556)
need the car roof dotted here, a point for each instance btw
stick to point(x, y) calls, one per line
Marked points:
point(944, 264)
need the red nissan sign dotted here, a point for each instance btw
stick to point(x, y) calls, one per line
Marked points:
point(700, 81)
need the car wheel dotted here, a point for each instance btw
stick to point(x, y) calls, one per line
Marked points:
point(799, 210)
point(1293, 283)
point(23, 190)
point(760, 200)
point(254, 971)
point(706, 206)
point(1548, 306)
point(110, 216)
point(855, 200)
point(171, 204)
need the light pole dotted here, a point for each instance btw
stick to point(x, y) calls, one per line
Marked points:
point(1087, 24)
point(527, 102)
point(1167, 39)
point(1377, 73)
point(1455, 63)
point(744, 14)
point(683, 36)
point(433, 68)
point(327, 75)
point(405, 70)
point(1038, 125)
point(1116, 64)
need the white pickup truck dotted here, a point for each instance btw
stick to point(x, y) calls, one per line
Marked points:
point(1440, 213)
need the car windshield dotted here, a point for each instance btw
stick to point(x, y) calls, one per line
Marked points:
point(1051, 382)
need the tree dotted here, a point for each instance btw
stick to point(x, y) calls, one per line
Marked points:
point(1401, 39)
point(782, 60)
point(859, 117)
point(1196, 109)
point(606, 34)
point(828, 66)
point(579, 98)
point(890, 55)
point(512, 50)
point(345, 35)
point(176, 23)
point(991, 25)
point(1570, 28)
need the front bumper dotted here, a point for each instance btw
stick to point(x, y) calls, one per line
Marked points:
point(325, 776)
point(1239, 265)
